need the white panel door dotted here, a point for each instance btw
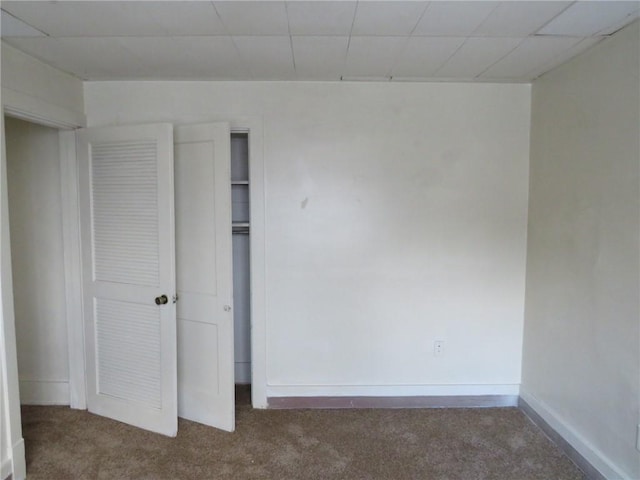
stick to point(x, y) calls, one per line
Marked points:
point(206, 391)
point(128, 260)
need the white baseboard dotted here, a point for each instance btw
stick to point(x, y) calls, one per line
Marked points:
point(19, 461)
point(391, 390)
point(589, 458)
point(392, 396)
point(44, 392)
point(14, 466)
point(5, 469)
point(433, 401)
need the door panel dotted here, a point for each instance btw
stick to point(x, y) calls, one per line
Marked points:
point(128, 254)
point(128, 357)
point(204, 275)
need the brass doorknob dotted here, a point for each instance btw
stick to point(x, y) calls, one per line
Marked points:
point(162, 300)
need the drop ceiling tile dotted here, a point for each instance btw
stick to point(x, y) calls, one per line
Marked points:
point(185, 18)
point(531, 54)
point(319, 58)
point(564, 57)
point(268, 58)
point(519, 19)
point(187, 58)
point(586, 18)
point(253, 18)
point(372, 56)
point(106, 18)
point(453, 19)
point(321, 18)
point(14, 27)
point(423, 56)
point(613, 27)
point(387, 18)
point(476, 55)
point(87, 58)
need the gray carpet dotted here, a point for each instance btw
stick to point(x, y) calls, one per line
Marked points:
point(465, 444)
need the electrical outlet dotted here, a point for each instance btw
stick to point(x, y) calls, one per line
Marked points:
point(438, 348)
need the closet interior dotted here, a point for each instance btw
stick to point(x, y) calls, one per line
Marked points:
point(241, 255)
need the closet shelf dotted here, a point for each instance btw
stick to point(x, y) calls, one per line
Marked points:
point(240, 228)
point(239, 182)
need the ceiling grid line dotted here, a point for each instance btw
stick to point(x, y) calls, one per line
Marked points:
point(353, 21)
point(464, 43)
point(26, 23)
point(233, 42)
point(424, 11)
point(435, 73)
point(346, 53)
point(406, 42)
point(484, 21)
point(501, 58)
point(293, 53)
point(533, 71)
point(556, 16)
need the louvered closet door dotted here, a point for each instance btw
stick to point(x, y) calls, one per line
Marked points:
point(128, 254)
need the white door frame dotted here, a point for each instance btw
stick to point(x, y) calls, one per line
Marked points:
point(34, 110)
point(73, 269)
point(253, 126)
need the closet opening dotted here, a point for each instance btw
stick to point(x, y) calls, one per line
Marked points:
point(240, 215)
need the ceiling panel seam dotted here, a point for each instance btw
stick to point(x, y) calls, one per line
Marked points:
point(502, 57)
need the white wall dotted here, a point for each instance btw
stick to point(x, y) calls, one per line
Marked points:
point(581, 366)
point(395, 215)
point(35, 212)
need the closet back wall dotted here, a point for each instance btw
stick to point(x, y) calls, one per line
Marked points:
point(33, 172)
point(395, 216)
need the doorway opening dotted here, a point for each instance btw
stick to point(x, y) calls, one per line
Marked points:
point(37, 255)
point(240, 215)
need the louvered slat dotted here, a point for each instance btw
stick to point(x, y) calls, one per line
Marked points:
point(128, 356)
point(124, 201)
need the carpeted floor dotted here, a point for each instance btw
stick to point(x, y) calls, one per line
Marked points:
point(465, 444)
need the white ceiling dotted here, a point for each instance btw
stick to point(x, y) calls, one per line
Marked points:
point(310, 40)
